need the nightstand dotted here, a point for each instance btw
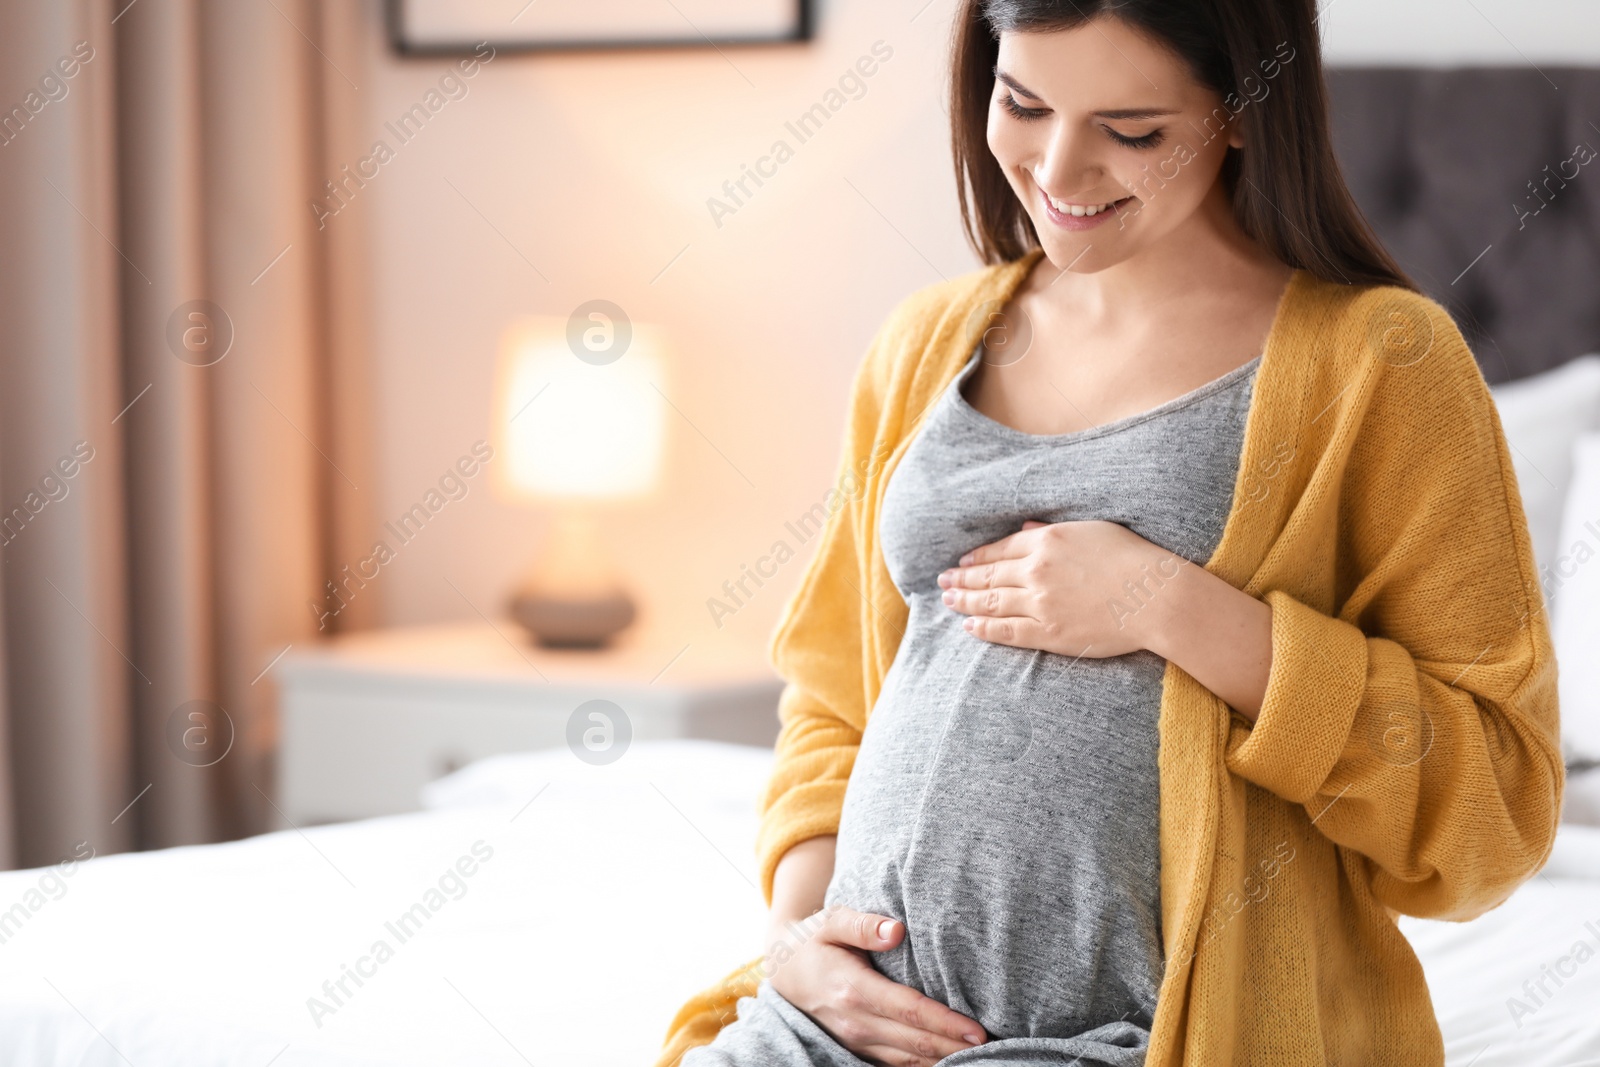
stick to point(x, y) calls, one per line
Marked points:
point(367, 719)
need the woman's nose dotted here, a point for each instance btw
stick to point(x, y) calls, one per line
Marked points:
point(1069, 165)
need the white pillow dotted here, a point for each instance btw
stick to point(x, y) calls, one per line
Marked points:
point(1542, 417)
point(1576, 853)
point(1572, 584)
point(1580, 805)
point(693, 772)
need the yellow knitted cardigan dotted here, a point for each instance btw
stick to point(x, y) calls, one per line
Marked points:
point(1405, 760)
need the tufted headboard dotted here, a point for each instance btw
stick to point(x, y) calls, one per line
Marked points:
point(1445, 163)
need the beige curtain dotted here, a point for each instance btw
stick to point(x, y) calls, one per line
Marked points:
point(165, 514)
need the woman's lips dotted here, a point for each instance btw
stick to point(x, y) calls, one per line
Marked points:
point(1083, 222)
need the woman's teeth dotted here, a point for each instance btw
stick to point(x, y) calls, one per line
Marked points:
point(1078, 209)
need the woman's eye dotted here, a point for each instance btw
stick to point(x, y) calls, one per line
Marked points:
point(1009, 102)
point(1149, 140)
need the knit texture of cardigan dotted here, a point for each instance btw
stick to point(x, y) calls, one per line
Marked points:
point(1405, 759)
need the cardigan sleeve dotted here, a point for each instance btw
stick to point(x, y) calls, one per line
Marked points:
point(1417, 725)
point(818, 647)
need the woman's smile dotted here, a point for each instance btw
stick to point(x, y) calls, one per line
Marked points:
point(1079, 215)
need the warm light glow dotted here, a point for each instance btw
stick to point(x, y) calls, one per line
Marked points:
point(567, 428)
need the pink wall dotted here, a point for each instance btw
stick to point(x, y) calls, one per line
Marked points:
point(598, 168)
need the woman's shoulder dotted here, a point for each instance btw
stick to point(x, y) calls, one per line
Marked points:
point(955, 298)
point(1390, 325)
point(922, 341)
point(943, 319)
point(1395, 361)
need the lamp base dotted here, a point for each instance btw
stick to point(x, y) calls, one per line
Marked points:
point(572, 622)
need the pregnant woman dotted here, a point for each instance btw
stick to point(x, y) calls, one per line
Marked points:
point(1175, 626)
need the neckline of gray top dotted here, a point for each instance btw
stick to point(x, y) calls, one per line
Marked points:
point(972, 414)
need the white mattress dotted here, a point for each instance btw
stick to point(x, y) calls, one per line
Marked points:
point(607, 900)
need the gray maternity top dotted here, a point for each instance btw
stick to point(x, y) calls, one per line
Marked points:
point(1004, 804)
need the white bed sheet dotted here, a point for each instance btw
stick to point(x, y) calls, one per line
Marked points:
point(608, 899)
point(1475, 969)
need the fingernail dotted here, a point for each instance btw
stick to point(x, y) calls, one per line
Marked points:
point(944, 578)
point(886, 928)
point(972, 1039)
point(949, 596)
point(968, 623)
point(966, 559)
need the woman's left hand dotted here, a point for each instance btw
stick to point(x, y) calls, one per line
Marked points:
point(1073, 588)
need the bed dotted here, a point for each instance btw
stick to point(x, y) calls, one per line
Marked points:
point(598, 898)
point(539, 910)
point(555, 949)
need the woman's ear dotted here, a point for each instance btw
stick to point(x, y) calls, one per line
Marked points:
point(1235, 136)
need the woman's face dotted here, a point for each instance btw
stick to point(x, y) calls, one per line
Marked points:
point(1103, 119)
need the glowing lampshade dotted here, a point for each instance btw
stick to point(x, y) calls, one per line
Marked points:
point(574, 429)
point(579, 421)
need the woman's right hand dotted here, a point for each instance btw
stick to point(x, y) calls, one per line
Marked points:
point(827, 975)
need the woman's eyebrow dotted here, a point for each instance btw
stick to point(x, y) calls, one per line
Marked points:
point(1135, 113)
point(1016, 85)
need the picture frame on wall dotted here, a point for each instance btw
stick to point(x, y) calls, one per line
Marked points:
point(447, 27)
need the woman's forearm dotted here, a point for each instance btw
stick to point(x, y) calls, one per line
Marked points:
point(800, 881)
point(1219, 635)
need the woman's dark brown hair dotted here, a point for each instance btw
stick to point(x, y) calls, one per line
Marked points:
point(1287, 190)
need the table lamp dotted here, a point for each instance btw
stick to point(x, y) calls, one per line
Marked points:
point(579, 423)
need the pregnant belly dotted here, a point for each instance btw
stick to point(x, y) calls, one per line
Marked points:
point(1003, 806)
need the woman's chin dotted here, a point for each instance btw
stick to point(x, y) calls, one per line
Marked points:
point(1078, 255)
